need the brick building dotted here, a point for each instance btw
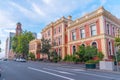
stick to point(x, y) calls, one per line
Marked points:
point(97, 28)
point(34, 47)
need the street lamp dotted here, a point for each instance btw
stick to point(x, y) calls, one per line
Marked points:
point(116, 58)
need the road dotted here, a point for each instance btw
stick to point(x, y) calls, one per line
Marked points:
point(12, 70)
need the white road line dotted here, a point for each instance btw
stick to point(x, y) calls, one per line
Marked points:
point(96, 75)
point(50, 73)
point(78, 69)
point(91, 74)
point(3, 78)
point(59, 71)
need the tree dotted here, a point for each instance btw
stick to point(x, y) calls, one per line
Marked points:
point(117, 44)
point(87, 53)
point(21, 43)
point(46, 46)
point(32, 56)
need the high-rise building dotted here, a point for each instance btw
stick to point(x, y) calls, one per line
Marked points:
point(9, 53)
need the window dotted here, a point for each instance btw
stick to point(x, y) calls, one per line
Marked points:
point(113, 31)
point(59, 29)
point(93, 30)
point(83, 45)
point(73, 36)
point(94, 44)
point(74, 49)
point(108, 29)
point(82, 33)
point(59, 52)
point(54, 31)
point(59, 42)
point(49, 33)
point(110, 48)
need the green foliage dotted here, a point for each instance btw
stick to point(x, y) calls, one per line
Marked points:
point(86, 53)
point(117, 41)
point(20, 43)
point(31, 56)
point(72, 58)
point(54, 56)
point(68, 58)
point(118, 55)
point(100, 55)
point(46, 46)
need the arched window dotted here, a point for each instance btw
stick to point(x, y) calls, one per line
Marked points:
point(74, 49)
point(94, 44)
point(110, 48)
point(83, 45)
point(59, 53)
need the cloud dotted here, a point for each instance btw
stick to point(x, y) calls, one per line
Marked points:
point(37, 9)
point(5, 19)
point(39, 36)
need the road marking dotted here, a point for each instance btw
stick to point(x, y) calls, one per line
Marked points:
point(78, 71)
point(59, 71)
point(50, 73)
point(3, 78)
point(112, 78)
point(71, 69)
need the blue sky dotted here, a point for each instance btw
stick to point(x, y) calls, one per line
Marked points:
point(36, 14)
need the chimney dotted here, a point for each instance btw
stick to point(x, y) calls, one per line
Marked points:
point(69, 17)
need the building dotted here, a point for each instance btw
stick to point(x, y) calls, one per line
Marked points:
point(34, 47)
point(57, 33)
point(18, 29)
point(9, 53)
point(97, 28)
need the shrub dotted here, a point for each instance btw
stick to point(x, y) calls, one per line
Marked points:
point(32, 56)
point(100, 55)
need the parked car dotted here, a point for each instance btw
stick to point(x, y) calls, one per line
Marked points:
point(4, 59)
point(20, 60)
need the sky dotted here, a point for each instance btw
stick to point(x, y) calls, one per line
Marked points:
point(34, 15)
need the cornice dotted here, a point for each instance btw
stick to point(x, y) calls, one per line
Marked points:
point(99, 12)
point(53, 24)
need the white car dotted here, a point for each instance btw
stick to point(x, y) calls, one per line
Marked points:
point(22, 60)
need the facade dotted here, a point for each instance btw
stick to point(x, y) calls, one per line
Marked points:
point(98, 28)
point(18, 28)
point(9, 53)
point(57, 33)
point(34, 47)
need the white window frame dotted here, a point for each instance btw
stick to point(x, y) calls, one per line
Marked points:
point(73, 35)
point(92, 33)
point(82, 34)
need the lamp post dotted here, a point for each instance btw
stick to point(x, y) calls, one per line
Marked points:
point(116, 58)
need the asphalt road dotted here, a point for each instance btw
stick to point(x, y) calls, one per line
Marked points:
point(12, 70)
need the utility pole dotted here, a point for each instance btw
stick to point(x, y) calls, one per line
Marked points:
point(116, 58)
